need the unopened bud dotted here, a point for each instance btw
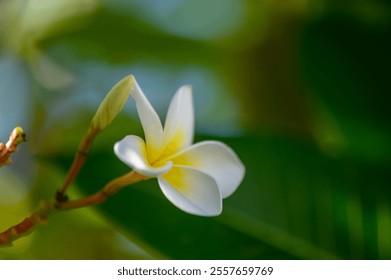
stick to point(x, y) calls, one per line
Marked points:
point(18, 136)
point(113, 103)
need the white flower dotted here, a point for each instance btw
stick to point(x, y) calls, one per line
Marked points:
point(195, 178)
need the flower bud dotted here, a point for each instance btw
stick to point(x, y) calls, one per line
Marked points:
point(113, 103)
point(18, 136)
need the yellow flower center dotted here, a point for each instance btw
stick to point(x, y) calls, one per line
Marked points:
point(170, 149)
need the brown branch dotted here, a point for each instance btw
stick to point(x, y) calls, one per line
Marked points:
point(110, 189)
point(41, 215)
point(78, 162)
point(27, 225)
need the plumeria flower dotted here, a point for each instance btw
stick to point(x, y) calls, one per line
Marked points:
point(194, 177)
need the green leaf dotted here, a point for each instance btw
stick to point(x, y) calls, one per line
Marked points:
point(345, 64)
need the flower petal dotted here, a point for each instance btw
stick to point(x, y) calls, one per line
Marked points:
point(150, 121)
point(217, 160)
point(131, 150)
point(179, 125)
point(191, 191)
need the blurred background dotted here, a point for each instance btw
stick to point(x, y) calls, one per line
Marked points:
point(299, 89)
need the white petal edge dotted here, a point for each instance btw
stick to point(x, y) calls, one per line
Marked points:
point(180, 118)
point(150, 121)
point(217, 160)
point(132, 151)
point(199, 194)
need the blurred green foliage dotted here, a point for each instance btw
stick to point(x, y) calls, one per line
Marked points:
point(299, 89)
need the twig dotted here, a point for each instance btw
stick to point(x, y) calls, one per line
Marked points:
point(77, 163)
point(110, 189)
point(41, 215)
point(27, 225)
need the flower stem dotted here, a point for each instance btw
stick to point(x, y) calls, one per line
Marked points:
point(110, 189)
point(27, 225)
point(78, 162)
point(41, 215)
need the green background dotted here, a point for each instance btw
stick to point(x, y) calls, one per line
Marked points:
point(299, 89)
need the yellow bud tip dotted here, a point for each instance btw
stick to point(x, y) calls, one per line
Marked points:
point(17, 131)
point(18, 135)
